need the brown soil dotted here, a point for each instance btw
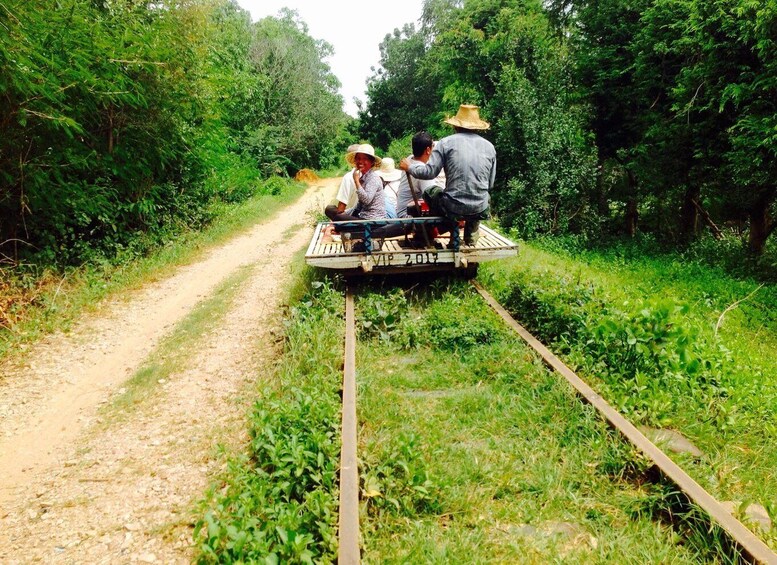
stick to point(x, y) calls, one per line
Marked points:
point(81, 485)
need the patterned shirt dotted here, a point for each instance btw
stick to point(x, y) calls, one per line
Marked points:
point(469, 161)
point(370, 195)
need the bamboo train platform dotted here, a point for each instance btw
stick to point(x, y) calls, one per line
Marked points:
point(399, 252)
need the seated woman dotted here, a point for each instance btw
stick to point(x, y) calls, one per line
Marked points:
point(369, 186)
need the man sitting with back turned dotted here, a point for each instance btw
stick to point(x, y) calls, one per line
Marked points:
point(422, 149)
point(469, 162)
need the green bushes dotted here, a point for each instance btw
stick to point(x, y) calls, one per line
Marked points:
point(124, 122)
point(395, 479)
point(669, 342)
point(95, 125)
point(453, 323)
point(469, 444)
point(654, 360)
point(558, 317)
point(279, 503)
point(380, 314)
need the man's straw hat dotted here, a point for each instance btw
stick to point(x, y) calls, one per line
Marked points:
point(468, 118)
point(366, 149)
point(351, 151)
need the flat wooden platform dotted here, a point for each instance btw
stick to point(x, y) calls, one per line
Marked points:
point(400, 255)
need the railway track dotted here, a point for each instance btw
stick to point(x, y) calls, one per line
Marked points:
point(751, 547)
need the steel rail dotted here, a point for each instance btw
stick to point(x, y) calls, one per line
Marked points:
point(348, 526)
point(750, 544)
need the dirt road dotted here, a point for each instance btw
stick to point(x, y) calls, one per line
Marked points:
point(80, 486)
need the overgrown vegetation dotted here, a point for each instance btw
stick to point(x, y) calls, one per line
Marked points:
point(125, 125)
point(668, 342)
point(279, 502)
point(494, 456)
point(123, 122)
point(468, 446)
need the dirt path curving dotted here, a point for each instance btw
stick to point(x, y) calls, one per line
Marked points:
point(81, 488)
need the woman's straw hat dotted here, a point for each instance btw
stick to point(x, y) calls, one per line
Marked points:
point(366, 149)
point(468, 118)
point(388, 171)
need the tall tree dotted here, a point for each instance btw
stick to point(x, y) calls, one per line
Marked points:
point(301, 103)
point(402, 88)
point(736, 75)
point(505, 56)
point(114, 115)
point(96, 96)
point(684, 93)
point(605, 63)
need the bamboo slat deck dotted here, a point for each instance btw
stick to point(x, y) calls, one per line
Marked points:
point(396, 256)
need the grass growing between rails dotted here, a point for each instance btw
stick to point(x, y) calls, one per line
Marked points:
point(470, 450)
point(278, 503)
point(669, 342)
point(37, 300)
point(473, 452)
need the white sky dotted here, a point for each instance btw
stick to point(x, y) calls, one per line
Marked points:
point(354, 29)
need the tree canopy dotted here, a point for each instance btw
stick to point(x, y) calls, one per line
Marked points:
point(122, 117)
point(505, 57)
point(650, 115)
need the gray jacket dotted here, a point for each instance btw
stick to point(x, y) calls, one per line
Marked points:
point(469, 161)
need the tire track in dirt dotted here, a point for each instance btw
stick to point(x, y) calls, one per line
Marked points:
point(74, 493)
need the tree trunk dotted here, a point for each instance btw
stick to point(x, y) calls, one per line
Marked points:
point(602, 202)
point(689, 213)
point(716, 233)
point(632, 213)
point(761, 226)
point(632, 216)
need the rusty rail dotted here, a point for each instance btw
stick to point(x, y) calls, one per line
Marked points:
point(750, 544)
point(348, 549)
